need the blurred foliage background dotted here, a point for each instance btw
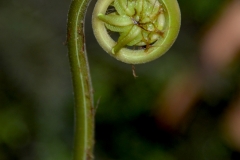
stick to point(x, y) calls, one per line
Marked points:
point(173, 110)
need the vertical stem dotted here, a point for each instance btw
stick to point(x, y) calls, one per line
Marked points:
point(84, 116)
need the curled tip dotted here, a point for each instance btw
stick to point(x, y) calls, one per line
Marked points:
point(155, 22)
point(113, 51)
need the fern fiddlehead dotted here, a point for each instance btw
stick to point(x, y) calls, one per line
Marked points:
point(150, 26)
point(147, 30)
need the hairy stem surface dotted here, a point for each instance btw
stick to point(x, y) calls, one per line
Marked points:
point(84, 112)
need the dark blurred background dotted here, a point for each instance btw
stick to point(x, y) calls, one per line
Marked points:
point(183, 106)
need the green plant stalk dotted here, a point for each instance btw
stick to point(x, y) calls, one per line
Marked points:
point(84, 111)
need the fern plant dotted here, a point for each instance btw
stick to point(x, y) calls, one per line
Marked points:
point(145, 30)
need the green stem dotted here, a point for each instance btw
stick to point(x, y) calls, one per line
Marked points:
point(84, 112)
